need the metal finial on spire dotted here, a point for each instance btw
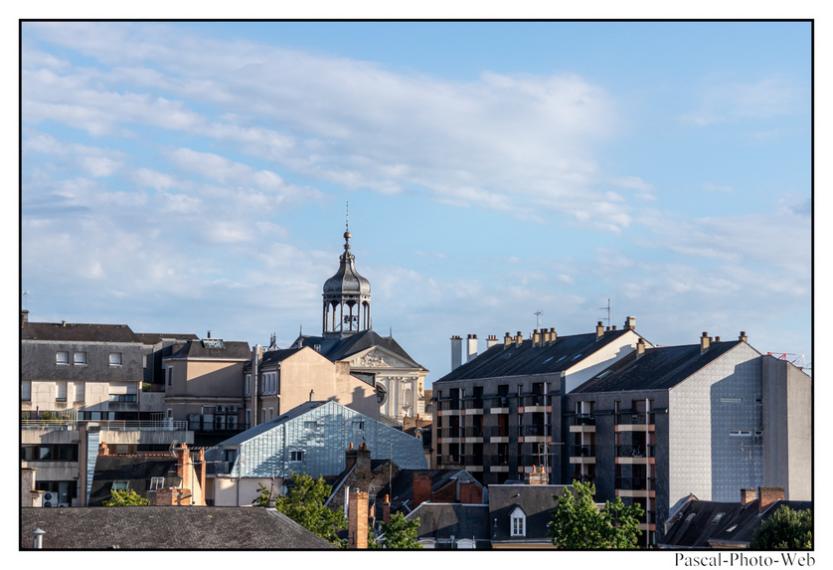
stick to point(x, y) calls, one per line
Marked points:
point(347, 234)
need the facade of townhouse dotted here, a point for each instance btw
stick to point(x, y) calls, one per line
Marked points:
point(667, 422)
point(83, 371)
point(311, 438)
point(500, 414)
point(286, 378)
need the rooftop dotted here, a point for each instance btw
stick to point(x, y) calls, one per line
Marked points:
point(77, 332)
point(336, 348)
point(193, 528)
point(214, 348)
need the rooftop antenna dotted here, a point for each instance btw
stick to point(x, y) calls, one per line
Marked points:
point(347, 216)
point(538, 315)
point(390, 332)
point(609, 309)
point(23, 301)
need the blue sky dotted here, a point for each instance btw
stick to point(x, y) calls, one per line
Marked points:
point(192, 176)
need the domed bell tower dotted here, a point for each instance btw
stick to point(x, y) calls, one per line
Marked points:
point(346, 295)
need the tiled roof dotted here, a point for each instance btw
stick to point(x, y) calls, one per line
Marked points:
point(498, 361)
point(657, 369)
point(137, 470)
point(336, 348)
point(205, 348)
point(78, 332)
point(192, 528)
point(444, 520)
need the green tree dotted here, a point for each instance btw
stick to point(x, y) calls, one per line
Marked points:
point(400, 533)
point(264, 496)
point(305, 505)
point(785, 529)
point(577, 523)
point(126, 498)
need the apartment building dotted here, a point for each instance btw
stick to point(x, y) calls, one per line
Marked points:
point(664, 423)
point(79, 370)
point(499, 414)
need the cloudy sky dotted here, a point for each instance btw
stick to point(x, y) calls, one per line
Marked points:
point(185, 177)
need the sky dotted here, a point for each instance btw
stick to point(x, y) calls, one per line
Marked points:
point(181, 177)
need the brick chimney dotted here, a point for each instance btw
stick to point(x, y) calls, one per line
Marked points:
point(471, 493)
point(359, 457)
point(536, 338)
point(386, 509)
point(103, 449)
point(640, 347)
point(185, 466)
point(491, 340)
point(507, 340)
point(553, 336)
point(748, 496)
point(357, 519)
point(538, 476)
point(600, 330)
point(519, 338)
point(705, 342)
point(742, 337)
point(630, 323)
point(421, 489)
point(769, 495)
point(24, 318)
point(202, 473)
point(456, 351)
point(471, 347)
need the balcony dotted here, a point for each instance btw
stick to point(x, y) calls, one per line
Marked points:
point(473, 406)
point(582, 454)
point(449, 461)
point(473, 462)
point(534, 434)
point(472, 434)
point(498, 404)
point(636, 483)
point(105, 425)
point(216, 424)
point(635, 421)
point(531, 403)
point(583, 423)
point(498, 434)
point(449, 435)
point(448, 407)
point(635, 454)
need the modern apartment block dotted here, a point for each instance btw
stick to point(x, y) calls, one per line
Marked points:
point(84, 371)
point(499, 414)
point(664, 423)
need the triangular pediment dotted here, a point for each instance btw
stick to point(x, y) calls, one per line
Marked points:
point(377, 358)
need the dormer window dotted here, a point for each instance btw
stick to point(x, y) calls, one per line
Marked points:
point(518, 522)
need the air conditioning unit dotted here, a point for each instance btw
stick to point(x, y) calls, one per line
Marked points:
point(49, 499)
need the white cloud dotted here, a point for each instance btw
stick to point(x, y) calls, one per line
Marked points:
point(94, 161)
point(741, 101)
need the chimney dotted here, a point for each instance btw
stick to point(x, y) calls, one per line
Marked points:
point(748, 496)
point(421, 489)
point(184, 467)
point(519, 338)
point(768, 496)
point(553, 335)
point(208, 334)
point(357, 519)
point(717, 339)
point(538, 476)
point(507, 340)
point(456, 351)
point(640, 347)
point(359, 457)
point(386, 509)
point(742, 337)
point(255, 385)
point(630, 323)
point(202, 473)
point(37, 538)
point(600, 330)
point(24, 318)
point(491, 340)
point(705, 342)
point(103, 449)
point(471, 347)
point(536, 338)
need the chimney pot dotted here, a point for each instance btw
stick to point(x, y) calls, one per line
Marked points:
point(507, 340)
point(742, 336)
point(705, 342)
point(456, 351)
point(640, 347)
point(630, 323)
point(600, 330)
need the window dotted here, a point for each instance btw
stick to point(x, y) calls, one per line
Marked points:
point(61, 391)
point(62, 358)
point(248, 418)
point(157, 483)
point(248, 385)
point(79, 391)
point(120, 486)
point(296, 455)
point(169, 375)
point(79, 358)
point(518, 520)
point(26, 391)
point(115, 359)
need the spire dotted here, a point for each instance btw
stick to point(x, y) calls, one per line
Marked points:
point(347, 234)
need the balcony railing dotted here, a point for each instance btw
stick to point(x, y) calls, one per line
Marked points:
point(215, 424)
point(636, 483)
point(496, 431)
point(635, 451)
point(582, 451)
point(584, 420)
point(533, 400)
point(498, 401)
point(450, 432)
point(111, 425)
point(123, 398)
point(472, 432)
point(541, 430)
point(474, 404)
point(635, 418)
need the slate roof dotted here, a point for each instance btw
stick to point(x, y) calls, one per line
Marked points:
point(338, 348)
point(275, 356)
point(156, 338)
point(537, 503)
point(78, 332)
point(703, 524)
point(136, 469)
point(193, 528)
point(658, 369)
point(444, 520)
point(197, 349)
point(498, 361)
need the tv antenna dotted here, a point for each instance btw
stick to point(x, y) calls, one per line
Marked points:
point(538, 314)
point(609, 309)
